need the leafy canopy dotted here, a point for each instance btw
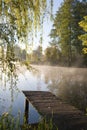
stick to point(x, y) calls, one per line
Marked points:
point(20, 20)
point(83, 37)
point(25, 16)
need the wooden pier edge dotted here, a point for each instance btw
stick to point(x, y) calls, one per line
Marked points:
point(67, 117)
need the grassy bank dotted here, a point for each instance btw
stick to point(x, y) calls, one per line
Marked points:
point(8, 122)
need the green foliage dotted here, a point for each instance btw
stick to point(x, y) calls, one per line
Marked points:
point(22, 17)
point(83, 37)
point(36, 56)
point(8, 122)
point(66, 28)
point(53, 55)
point(20, 20)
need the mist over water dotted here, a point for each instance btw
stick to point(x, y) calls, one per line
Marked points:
point(69, 84)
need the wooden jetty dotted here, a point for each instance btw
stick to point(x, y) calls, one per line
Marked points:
point(63, 115)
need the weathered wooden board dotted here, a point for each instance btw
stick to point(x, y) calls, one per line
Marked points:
point(66, 116)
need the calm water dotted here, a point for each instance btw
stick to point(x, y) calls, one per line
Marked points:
point(70, 84)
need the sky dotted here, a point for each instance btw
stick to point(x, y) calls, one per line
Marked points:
point(47, 26)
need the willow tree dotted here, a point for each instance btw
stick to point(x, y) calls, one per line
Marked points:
point(20, 20)
point(23, 15)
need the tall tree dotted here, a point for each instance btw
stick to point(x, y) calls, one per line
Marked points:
point(66, 29)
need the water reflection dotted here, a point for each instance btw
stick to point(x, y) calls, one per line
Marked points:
point(11, 78)
point(75, 93)
point(8, 78)
point(70, 84)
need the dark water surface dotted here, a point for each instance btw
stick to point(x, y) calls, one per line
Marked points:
point(70, 84)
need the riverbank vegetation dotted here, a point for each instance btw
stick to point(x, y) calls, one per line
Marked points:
point(8, 122)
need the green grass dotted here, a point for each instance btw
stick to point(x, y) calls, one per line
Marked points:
point(8, 122)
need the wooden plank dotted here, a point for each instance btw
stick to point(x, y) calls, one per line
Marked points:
point(63, 114)
point(45, 101)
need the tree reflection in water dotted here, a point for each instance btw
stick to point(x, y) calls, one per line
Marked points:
point(70, 84)
point(8, 68)
point(74, 92)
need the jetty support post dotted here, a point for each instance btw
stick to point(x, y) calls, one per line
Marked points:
point(26, 110)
